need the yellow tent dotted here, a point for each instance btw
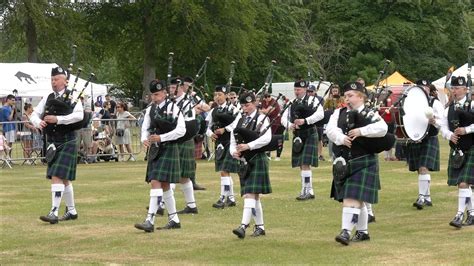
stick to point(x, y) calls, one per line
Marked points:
point(395, 79)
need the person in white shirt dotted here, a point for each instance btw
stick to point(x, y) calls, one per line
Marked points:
point(58, 116)
point(360, 182)
point(221, 121)
point(458, 127)
point(162, 126)
point(423, 156)
point(254, 176)
point(301, 117)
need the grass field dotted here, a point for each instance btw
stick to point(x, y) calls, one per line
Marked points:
point(111, 197)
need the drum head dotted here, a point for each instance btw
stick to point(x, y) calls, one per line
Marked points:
point(414, 121)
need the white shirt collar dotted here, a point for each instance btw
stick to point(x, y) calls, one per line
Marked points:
point(252, 114)
point(462, 101)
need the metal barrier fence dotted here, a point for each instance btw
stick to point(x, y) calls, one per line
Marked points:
point(103, 140)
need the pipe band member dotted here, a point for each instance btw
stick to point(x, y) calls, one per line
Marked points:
point(458, 127)
point(162, 126)
point(59, 117)
point(301, 117)
point(222, 120)
point(254, 176)
point(424, 157)
point(360, 182)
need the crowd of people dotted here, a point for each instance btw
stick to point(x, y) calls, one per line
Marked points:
point(245, 128)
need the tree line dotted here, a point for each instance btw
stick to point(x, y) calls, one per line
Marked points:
point(126, 43)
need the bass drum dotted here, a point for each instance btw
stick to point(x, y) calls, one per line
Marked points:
point(410, 119)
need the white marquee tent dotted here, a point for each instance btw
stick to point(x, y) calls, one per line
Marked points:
point(33, 80)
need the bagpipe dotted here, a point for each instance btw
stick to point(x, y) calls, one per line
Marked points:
point(64, 105)
point(224, 117)
point(244, 135)
point(363, 145)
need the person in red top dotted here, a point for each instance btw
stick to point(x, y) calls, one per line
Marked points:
point(386, 112)
point(270, 106)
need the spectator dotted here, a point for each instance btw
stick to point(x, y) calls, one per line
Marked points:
point(274, 117)
point(333, 102)
point(122, 133)
point(29, 131)
point(4, 148)
point(7, 114)
point(112, 108)
point(84, 134)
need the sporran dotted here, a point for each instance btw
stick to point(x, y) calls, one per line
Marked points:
point(297, 145)
point(457, 159)
point(50, 153)
point(220, 152)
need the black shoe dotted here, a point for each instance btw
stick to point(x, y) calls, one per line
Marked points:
point(360, 236)
point(419, 203)
point(457, 221)
point(428, 203)
point(68, 216)
point(198, 187)
point(240, 232)
point(371, 219)
point(188, 209)
point(145, 226)
point(469, 220)
point(219, 204)
point(230, 203)
point(343, 237)
point(306, 196)
point(170, 225)
point(50, 218)
point(258, 231)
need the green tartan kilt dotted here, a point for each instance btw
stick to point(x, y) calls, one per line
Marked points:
point(257, 180)
point(165, 168)
point(363, 182)
point(465, 173)
point(187, 164)
point(65, 161)
point(424, 154)
point(228, 163)
point(309, 153)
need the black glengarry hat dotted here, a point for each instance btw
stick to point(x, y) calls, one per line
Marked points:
point(58, 71)
point(458, 81)
point(157, 85)
point(176, 80)
point(353, 86)
point(301, 84)
point(423, 82)
point(221, 88)
point(247, 97)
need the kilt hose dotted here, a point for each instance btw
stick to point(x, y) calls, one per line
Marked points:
point(362, 182)
point(257, 179)
point(425, 153)
point(309, 153)
point(187, 164)
point(228, 163)
point(165, 168)
point(65, 161)
point(465, 173)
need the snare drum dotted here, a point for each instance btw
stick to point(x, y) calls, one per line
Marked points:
point(410, 119)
